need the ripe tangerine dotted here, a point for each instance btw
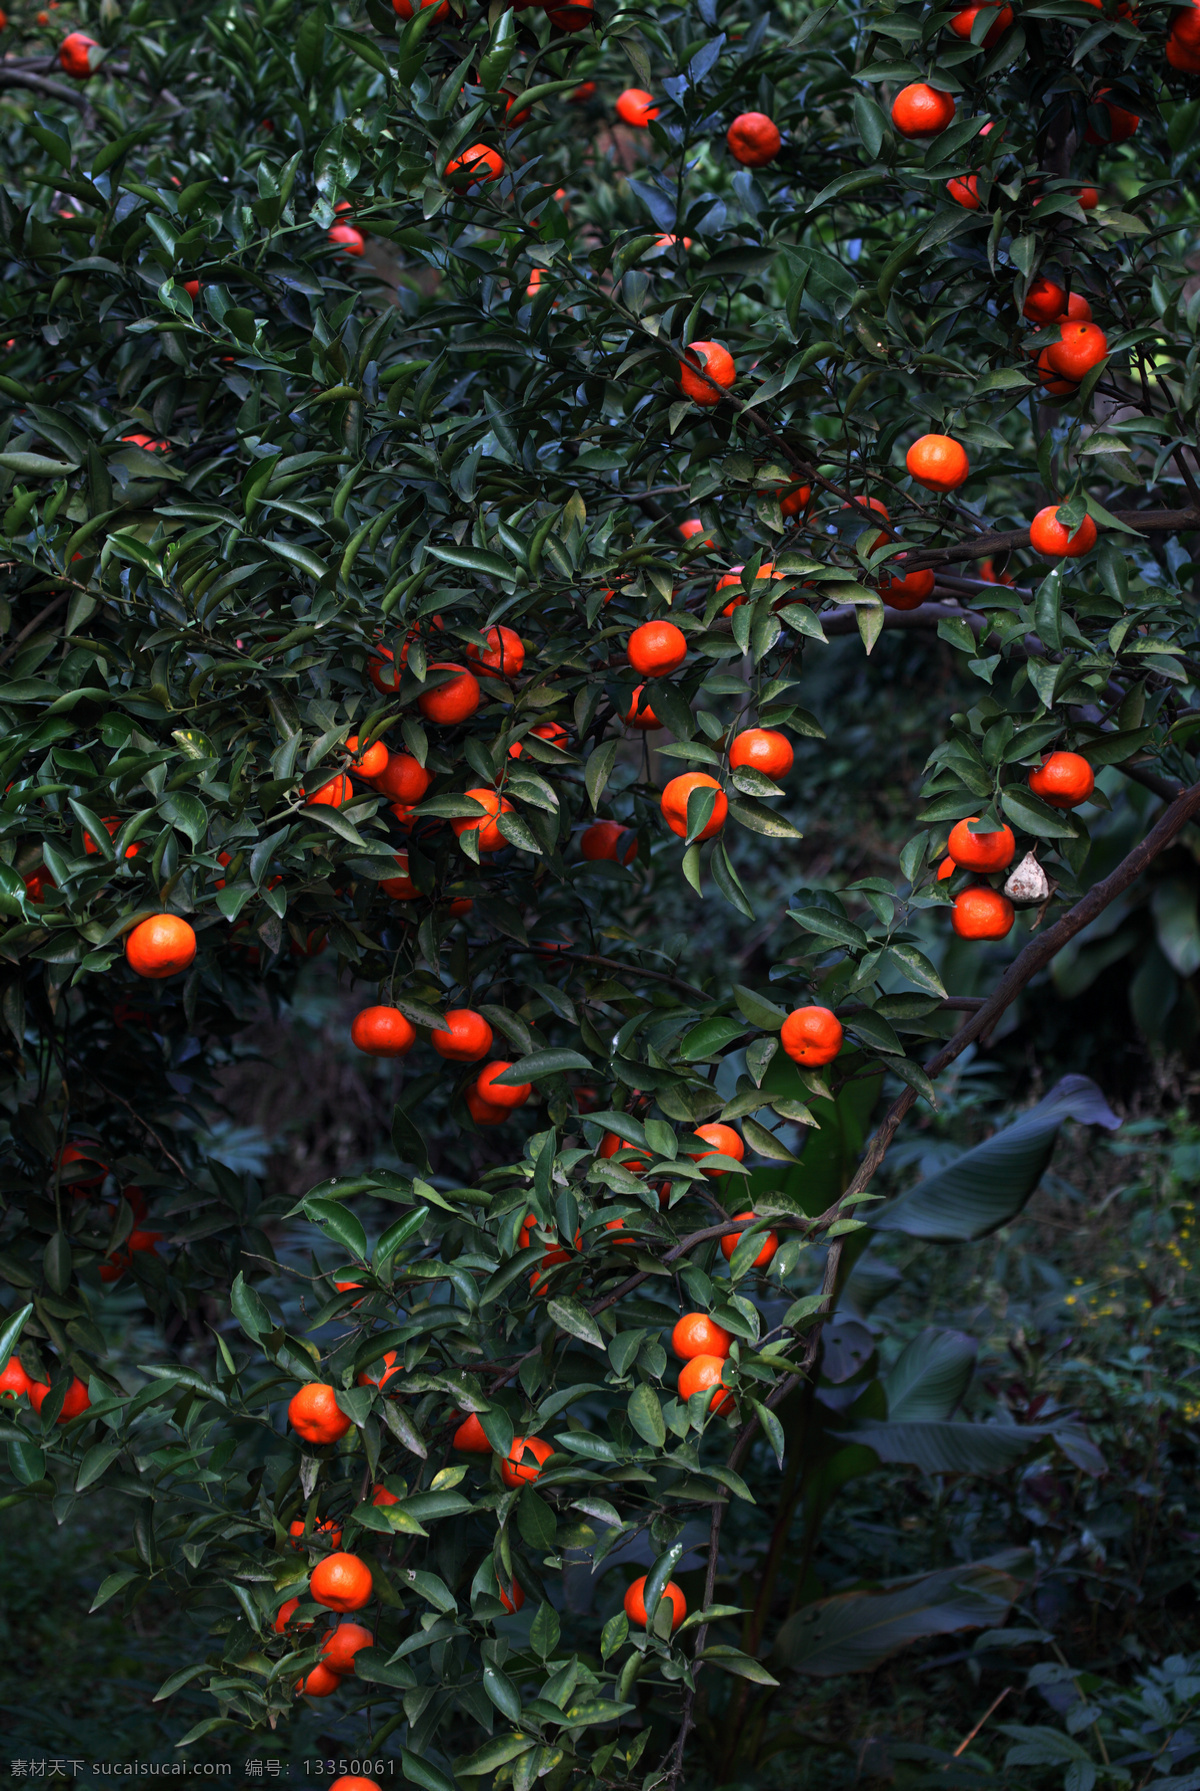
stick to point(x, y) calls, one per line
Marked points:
point(515, 1469)
point(470, 1436)
point(370, 763)
point(938, 462)
point(465, 1038)
point(382, 1032)
point(811, 1036)
point(476, 166)
point(503, 656)
point(1063, 780)
point(635, 1603)
point(919, 110)
point(675, 804)
point(503, 1095)
point(753, 139)
point(341, 1583)
point(981, 913)
point(701, 1373)
point(314, 1413)
point(403, 778)
point(981, 851)
point(76, 1400)
point(656, 648)
point(605, 840)
point(1050, 538)
point(696, 1334)
point(770, 1244)
point(640, 715)
point(160, 946)
point(725, 1142)
point(1083, 345)
point(762, 749)
point(452, 701)
point(718, 365)
point(342, 1644)
point(486, 827)
point(636, 107)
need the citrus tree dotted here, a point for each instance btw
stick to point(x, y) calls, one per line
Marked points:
point(438, 447)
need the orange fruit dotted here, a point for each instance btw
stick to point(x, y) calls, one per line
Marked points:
point(640, 714)
point(796, 500)
point(160, 946)
point(962, 22)
point(725, 1142)
point(698, 1375)
point(470, 1436)
point(502, 1096)
point(1063, 780)
point(675, 803)
point(1121, 123)
point(1045, 301)
point(938, 462)
point(605, 839)
point(635, 1603)
point(753, 139)
point(371, 762)
point(485, 827)
point(770, 1244)
point(402, 777)
point(552, 731)
point(348, 1782)
point(476, 166)
point(404, 9)
point(73, 54)
point(347, 239)
point(326, 1530)
point(319, 1683)
point(656, 648)
point(513, 1598)
point(636, 107)
point(1082, 346)
point(696, 1334)
point(1059, 388)
point(342, 1644)
point(315, 1415)
point(76, 1401)
point(331, 795)
point(381, 1496)
point(1048, 537)
point(965, 191)
point(111, 824)
point(383, 1032)
point(811, 1036)
point(981, 851)
point(908, 591)
point(390, 1367)
point(762, 749)
point(1181, 57)
point(919, 110)
point(717, 363)
point(503, 657)
point(14, 1382)
point(285, 1614)
point(79, 1165)
point(38, 883)
point(340, 1583)
point(451, 702)
point(1078, 309)
point(946, 870)
point(383, 672)
point(610, 1144)
point(465, 1038)
point(982, 914)
point(401, 888)
point(483, 1112)
point(516, 1469)
point(692, 527)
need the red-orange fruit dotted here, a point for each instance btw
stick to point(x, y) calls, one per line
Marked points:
point(503, 656)
point(982, 913)
point(452, 702)
point(486, 827)
point(160, 946)
point(501, 1095)
point(981, 851)
point(525, 1460)
point(1063, 780)
point(725, 1142)
point(811, 1036)
point(476, 166)
point(640, 714)
point(656, 648)
point(636, 107)
point(696, 1334)
point(770, 1243)
point(701, 1373)
point(608, 839)
point(675, 804)
point(919, 110)
point(471, 1437)
point(383, 1032)
point(635, 1603)
point(342, 1644)
point(1052, 540)
point(762, 749)
point(465, 1037)
point(76, 1401)
point(753, 139)
point(938, 462)
point(315, 1414)
point(341, 1583)
point(718, 366)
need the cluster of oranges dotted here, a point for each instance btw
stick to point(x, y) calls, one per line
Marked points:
point(15, 1384)
point(1064, 780)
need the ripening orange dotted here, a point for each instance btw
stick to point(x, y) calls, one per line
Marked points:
point(636, 107)
point(635, 1603)
point(285, 1614)
point(481, 1111)
point(753, 139)
point(470, 1436)
point(382, 1032)
point(475, 166)
point(938, 462)
point(514, 1598)
point(982, 913)
point(486, 828)
point(701, 1373)
point(341, 1583)
point(811, 1036)
point(1048, 537)
point(14, 1382)
point(347, 239)
point(348, 1782)
point(1180, 57)
point(383, 671)
point(342, 1644)
point(403, 778)
point(111, 825)
point(610, 1144)
point(607, 840)
point(318, 1683)
point(762, 749)
point(1056, 386)
point(73, 55)
point(1082, 346)
point(516, 1469)
point(160, 946)
point(640, 715)
point(381, 1496)
point(76, 1401)
point(401, 887)
point(675, 804)
point(1078, 309)
point(1045, 301)
point(981, 851)
point(370, 763)
point(404, 8)
point(551, 731)
point(725, 1142)
point(796, 501)
point(502, 658)
point(717, 363)
point(1063, 780)
point(656, 648)
point(453, 701)
point(770, 1244)
point(339, 789)
point(315, 1414)
point(696, 1334)
point(390, 1367)
point(1121, 123)
point(908, 591)
point(919, 110)
point(327, 1531)
point(962, 22)
point(502, 1095)
point(465, 1038)
point(964, 190)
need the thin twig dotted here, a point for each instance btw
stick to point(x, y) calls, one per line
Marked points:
point(42, 616)
point(966, 1741)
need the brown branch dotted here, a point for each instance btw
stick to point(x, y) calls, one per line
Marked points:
point(145, 1125)
point(19, 77)
point(657, 976)
point(992, 542)
point(29, 627)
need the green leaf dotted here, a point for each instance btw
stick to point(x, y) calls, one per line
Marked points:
point(424, 1773)
point(98, 1458)
point(110, 1586)
point(764, 1142)
point(598, 770)
point(829, 926)
point(407, 1141)
point(763, 820)
point(185, 812)
point(400, 1232)
point(10, 1333)
point(475, 559)
point(540, 1064)
point(571, 1315)
point(1026, 810)
point(855, 1631)
point(930, 1376)
point(646, 1416)
point(758, 1010)
point(536, 1522)
point(987, 1186)
point(341, 1225)
point(249, 1310)
point(373, 1665)
point(709, 1038)
point(916, 967)
point(734, 1661)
